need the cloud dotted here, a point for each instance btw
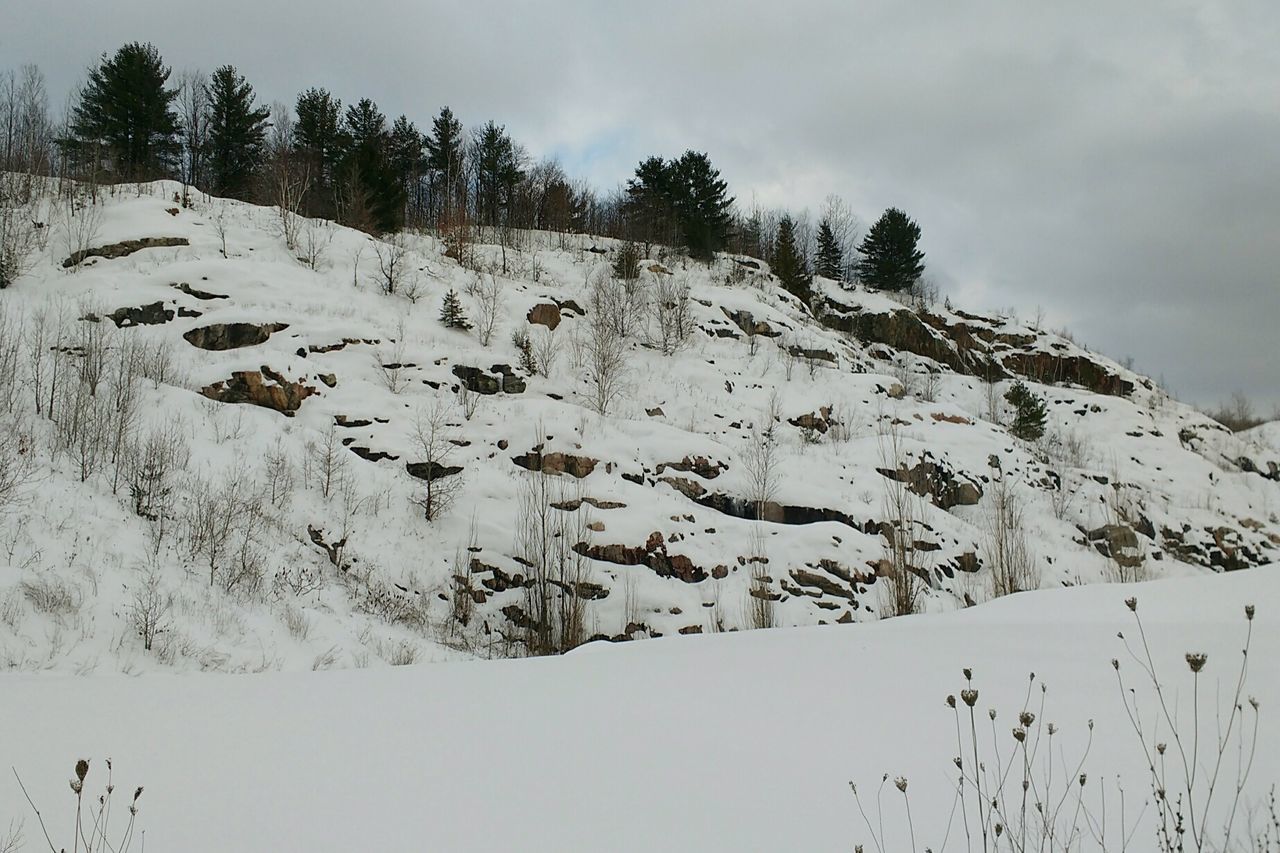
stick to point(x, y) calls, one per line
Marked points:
point(1112, 163)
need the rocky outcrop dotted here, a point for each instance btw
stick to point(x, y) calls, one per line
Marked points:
point(652, 554)
point(773, 511)
point(932, 479)
point(227, 336)
point(545, 314)
point(750, 326)
point(1052, 368)
point(264, 388)
point(431, 470)
point(479, 381)
point(699, 465)
point(556, 463)
point(202, 295)
point(153, 314)
point(123, 249)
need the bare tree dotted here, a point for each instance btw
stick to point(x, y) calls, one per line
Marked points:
point(79, 219)
point(544, 346)
point(761, 462)
point(488, 295)
point(904, 511)
point(288, 176)
point(433, 436)
point(545, 540)
point(392, 255)
point(1013, 566)
point(670, 307)
point(193, 109)
point(604, 347)
point(391, 364)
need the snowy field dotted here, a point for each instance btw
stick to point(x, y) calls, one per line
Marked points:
point(729, 742)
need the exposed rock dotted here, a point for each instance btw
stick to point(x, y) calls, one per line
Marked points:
point(749, 324)
point(144, 315)
point(775, 512)
point(556, 463)
point(264, 388)
point(197, 294)
point(652, 554)
point(344, 421)
point(699, 465)
point(430, 470)
point(227, 336)
point(932, 479)
point(545, 314)
point(124, 248)
point(1075, 369)
point(574, 503)
point(685, 486)
point(371, 455)
point(824, 584)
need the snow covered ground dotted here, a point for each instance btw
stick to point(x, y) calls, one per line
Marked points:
point(733, 742)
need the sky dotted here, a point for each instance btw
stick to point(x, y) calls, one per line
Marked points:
point(1113, 166)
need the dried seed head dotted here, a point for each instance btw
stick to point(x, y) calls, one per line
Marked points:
point(991, 712)
point(1026, 718)
point(1053, 730)
point(1248, 612)
point(1160, 748)
point(1026, 783)
point(968, 674)
point(1019, 734)
point(959, 764)
point(970, 696)
point(1253, 702)
point(999, 829)
point(951, 700)
point(82, 769)
point(76, 786)
point(1131, 603)
point(1084, 777)
point(1196, 661)
point(1115, 664)
point(137, 793)
point(1090, 725)
point(901, 783)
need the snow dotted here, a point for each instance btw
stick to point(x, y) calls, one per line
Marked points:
point(740, 741)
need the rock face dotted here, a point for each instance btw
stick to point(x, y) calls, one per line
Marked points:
point(932, 479)
point(545, 314)
point(144, 315)
point(262, 387)
point(431, 471)
point(556, 463)
point(652, 554)
point(481, 382)
point(124, 248)
point(226, 336)
point(745, 321)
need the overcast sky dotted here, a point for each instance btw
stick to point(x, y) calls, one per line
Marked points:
point(1115, 163)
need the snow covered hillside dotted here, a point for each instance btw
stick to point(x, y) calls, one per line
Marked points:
point(221, 454)
point(734, 742)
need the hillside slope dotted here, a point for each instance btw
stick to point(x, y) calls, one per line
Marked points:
point(735, 742)
point(261, 505)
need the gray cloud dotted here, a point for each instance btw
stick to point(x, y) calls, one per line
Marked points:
point(1114, 163)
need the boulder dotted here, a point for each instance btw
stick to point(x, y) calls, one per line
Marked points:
point(124, 248)
point(228, 336)
point(262, 387)
point(545, 314)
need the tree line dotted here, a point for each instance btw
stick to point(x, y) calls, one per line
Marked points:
point(134, 121)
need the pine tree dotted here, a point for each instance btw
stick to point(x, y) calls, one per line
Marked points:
point(127, 113)
point(701, 205)
point(830, 259)
point(649, 202)
point(452, 314)
point(237, 134)
point(497, 167)
point(320, 142)
point(444, 162)
point(375, 197)
point(1029, 412)
point(891, 259)
point(407, 161)
point(626, 267)
point(787, 264)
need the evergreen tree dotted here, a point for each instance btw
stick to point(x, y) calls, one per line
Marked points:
point(445, 161)
point(320, 140)
point(891, 259)
point(497, 166)
point(627, 265)
point(237, 134)
point(127, 113)
point(830, 260)
point(1029, 412)
point(649, 202)
point(701, 205)
point(405, 152)
point(452, 314)
point(787, 264)
point(374, 197)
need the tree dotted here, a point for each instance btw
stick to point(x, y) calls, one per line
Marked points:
point(126, 111)
point(890, 257)
point(373, 197)
point(237, 133)
point(407, 161)
point(787, 264)
point(830, 260)
point(701, 205)
point(1029, 412)
point(498, 171)
point(649, 203)
point(444, 162)
point(452, 314)
point(320, 140)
